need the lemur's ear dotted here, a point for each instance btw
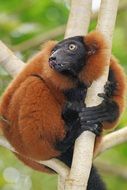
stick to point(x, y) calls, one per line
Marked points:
point(91, 49)
point(95, 42)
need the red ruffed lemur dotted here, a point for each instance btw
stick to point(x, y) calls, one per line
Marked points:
point(43, 110)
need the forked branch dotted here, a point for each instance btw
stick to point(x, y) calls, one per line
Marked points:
point(82, 160)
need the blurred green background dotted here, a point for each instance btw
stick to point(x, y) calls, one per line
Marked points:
point(24, 26)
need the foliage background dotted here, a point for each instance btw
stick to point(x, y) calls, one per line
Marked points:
point(24, 22)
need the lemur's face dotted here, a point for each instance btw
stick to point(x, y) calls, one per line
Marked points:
point(69, 56)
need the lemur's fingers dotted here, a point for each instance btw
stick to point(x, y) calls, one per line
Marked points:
point(95, 128)
point(109, 88)
point(107, 111)
point(92, 110)
point(101, 119)
point(94, 118)
point(104, 96)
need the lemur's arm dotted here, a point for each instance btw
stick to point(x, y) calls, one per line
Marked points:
point(109, 111)
point(106, 115)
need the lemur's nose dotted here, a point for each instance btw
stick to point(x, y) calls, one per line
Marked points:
point(52, 58)
point(52, 61)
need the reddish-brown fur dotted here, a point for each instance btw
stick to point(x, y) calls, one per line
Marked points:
point(119, 95)
point(33, 106)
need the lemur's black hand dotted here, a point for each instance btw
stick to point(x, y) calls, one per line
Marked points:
point(91, 118)
point(81, 118)
point(95, 128)
point(106, 111)
point(109, 88)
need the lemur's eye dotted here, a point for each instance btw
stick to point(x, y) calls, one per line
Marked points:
point(72, 47)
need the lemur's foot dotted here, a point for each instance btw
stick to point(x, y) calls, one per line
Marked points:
point(108, 110)
point(68, 141)
point(70, 116)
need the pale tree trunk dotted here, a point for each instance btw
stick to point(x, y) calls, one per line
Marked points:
point(79, 18)
point(83, 151)
point(78, 24)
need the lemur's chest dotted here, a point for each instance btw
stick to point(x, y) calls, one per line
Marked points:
point(76, 94)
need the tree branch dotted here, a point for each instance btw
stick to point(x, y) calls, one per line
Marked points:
point(9, 61)
point(52, 34)
point(116, 170)
point(78, 25)
point(108, 141)
point(82, 158)
point(111, 140)
point(37, 40)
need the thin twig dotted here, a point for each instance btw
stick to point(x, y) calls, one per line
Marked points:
point(116, 170)
point(111, 140)
point(9, 61)
point(39, 39)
